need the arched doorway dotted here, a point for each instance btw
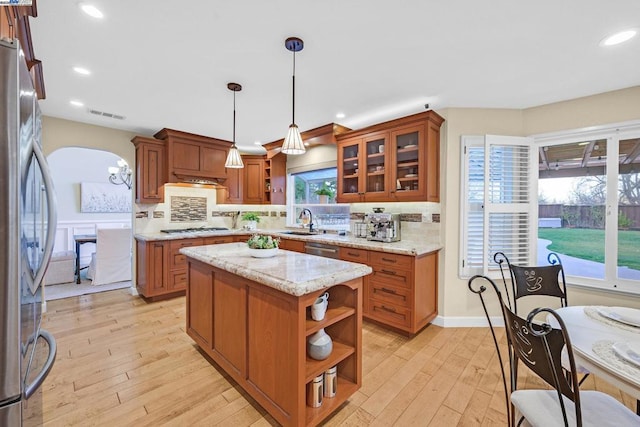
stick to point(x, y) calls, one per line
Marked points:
point(86, 200)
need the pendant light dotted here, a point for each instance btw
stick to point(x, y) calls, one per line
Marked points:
point(293, 142)
point(233, 158)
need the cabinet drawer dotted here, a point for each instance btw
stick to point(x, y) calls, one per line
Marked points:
point(391, 276)
point(354, 255)
point(390, 313)
point(216, 240)
point(385, 293)
point(292, 245)
point(391, 260)
point(178, 279)
point(176, 259)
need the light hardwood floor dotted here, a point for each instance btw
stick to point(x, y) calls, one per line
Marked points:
point(125, 362)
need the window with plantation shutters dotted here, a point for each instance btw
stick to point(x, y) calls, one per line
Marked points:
point(497, 183)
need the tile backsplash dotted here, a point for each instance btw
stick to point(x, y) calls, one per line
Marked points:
point(188, 209)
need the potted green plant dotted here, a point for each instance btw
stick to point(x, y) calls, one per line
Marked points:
point(252, 220)
point(263, 246)
point(324, 193)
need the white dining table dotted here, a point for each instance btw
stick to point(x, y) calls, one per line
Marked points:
point(585, 331)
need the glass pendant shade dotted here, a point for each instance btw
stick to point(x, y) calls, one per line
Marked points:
point(293, 142)
point(233, 158)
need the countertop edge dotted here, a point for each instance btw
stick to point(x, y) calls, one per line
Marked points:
point(403, 247)
point(281, 284)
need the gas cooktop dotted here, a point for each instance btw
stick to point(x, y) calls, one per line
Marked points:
point(193, 230)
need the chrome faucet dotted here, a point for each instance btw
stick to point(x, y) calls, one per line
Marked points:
point(302, 215)
point(234, 219)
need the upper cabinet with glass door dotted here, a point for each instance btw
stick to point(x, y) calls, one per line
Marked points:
point(391, 161)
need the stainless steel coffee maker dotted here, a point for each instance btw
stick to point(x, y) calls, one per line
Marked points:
point(383, 227)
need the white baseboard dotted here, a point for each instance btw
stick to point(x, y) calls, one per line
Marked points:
point(466, 322)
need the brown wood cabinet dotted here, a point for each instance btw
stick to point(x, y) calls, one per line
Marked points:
point(152, 268)
point(402, 290)
point(160, 267)
point(178, 263)
point(292, 245)
point(253, 186)
point(175, 156)
point(392, 161)
point(150, 170)
point(191, 156)
point(258, 335)
point(235, 178)
point(261, 181)
point(275, 176)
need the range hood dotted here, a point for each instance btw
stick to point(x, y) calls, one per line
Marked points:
point(187, 179)
point(194, 158)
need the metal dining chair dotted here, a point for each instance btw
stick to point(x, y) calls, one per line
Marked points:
point(540, 280)
point(540, 347)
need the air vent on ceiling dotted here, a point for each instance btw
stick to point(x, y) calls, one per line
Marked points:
point(105, 114)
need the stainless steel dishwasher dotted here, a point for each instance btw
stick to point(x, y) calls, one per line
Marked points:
point(321, 249)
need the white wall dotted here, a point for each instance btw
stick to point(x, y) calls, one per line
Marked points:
point(318, 157)
point(456, 303)
point(71, 166)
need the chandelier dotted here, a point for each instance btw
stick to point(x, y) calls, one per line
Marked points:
point(121, 174)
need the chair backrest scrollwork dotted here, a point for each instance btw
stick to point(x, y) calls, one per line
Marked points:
point(547, 280)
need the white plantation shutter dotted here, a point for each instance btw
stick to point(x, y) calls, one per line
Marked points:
point(472, 202)
point(497, 211)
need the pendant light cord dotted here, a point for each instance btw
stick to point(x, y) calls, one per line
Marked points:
point(234, 118)
point(293, 109)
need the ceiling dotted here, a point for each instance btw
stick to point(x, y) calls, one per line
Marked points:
point(164, 63)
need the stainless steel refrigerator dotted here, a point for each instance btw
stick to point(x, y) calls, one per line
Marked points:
point(27, 232)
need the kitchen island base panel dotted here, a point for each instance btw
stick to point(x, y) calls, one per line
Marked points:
point(258, 334)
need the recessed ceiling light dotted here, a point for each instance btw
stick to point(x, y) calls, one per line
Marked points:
point(619, 37)
point(258, 143)
point(340, 116)
point(82, 71)
point(76, 103)
point(91, 10)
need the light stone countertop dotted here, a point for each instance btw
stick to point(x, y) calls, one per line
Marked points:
point(413, 245)
point(290, 272)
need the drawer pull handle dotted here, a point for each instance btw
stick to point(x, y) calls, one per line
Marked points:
point(352, 254)
point(390, 260)
point(389, 309)
point(390, 291)
point(393, 273)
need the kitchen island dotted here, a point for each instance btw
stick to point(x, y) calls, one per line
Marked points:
point(252, 317)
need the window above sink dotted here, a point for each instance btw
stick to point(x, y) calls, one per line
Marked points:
point(327, 214)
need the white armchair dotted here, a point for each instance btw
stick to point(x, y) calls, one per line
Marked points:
point(112, 260)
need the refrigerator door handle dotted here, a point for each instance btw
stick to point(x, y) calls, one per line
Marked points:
point(52, 219)
point(37, 382)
